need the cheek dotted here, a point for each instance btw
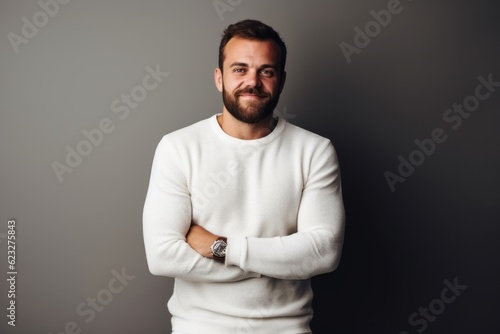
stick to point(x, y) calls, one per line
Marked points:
point(230, 84)
point(273, 87)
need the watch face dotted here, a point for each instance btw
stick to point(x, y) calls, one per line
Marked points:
point(219, 248)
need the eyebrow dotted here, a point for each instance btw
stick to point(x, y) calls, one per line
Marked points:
point(260, 67)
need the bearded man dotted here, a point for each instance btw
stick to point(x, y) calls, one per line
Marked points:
point(243, 208)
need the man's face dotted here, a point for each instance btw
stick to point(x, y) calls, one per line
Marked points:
point(251, 81)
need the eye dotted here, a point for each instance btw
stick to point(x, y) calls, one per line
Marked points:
point(239, 70)
point(267, 72)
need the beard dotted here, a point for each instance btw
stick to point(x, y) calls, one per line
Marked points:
point(253, 111)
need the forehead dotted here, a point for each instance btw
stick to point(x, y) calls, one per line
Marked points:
point(252, 52)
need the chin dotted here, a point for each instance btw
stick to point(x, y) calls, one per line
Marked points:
point(251, 117)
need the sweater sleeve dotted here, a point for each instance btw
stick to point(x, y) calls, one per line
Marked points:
point(166, 221)
point(317, 245)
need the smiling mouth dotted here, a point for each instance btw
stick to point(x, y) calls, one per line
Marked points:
point(256, 96)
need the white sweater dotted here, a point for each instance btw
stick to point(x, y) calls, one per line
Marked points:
point(278, 201)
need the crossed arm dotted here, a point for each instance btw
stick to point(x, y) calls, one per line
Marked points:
point(176, 248)
point(200, 240)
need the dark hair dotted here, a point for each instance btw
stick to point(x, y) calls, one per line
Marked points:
point(252, 29)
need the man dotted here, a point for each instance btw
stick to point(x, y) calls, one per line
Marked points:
point(243, 208)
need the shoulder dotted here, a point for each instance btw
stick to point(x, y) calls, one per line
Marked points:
point(304, 138)
point(178, 143)
point(310, 146)
point(186, 136)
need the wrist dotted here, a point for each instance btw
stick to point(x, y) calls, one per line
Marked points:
point(219, 249)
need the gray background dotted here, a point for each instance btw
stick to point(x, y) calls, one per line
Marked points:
point(400, 246)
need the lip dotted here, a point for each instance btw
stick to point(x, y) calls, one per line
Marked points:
point(251, 96)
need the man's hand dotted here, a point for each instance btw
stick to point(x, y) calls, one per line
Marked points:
point(200, 240)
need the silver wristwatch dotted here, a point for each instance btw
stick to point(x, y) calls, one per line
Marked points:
point(218, 249)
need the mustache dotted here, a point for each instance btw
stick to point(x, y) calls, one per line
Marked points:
point(251, 90)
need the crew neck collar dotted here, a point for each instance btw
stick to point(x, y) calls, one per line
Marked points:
point(280, 126)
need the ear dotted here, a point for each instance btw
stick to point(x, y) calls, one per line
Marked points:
point(282, 81)
point(218, 79)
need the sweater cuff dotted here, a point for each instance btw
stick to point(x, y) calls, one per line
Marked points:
point(236, 250)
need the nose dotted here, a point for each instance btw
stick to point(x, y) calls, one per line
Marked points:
point(253, 79)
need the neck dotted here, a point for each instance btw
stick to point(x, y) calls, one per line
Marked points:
point(246, 131)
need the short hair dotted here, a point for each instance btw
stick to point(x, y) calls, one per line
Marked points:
point(253, 30)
